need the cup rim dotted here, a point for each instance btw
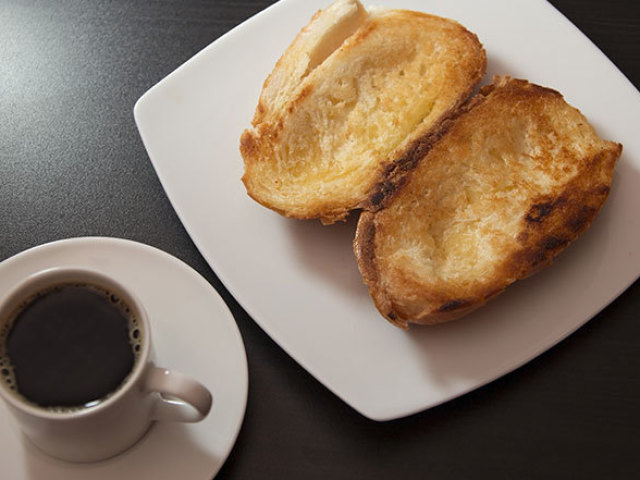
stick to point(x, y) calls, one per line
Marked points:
point(64, 274)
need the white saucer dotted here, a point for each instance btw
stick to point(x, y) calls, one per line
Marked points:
point(193, 332)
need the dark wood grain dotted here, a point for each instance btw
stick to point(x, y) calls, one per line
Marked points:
point(72, 164)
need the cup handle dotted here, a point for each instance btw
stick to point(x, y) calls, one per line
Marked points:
point(180, 399)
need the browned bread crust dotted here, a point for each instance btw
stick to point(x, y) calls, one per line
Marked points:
point(353, 91)
point(505, 185)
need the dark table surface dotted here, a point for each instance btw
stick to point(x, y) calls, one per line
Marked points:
point(72, 164)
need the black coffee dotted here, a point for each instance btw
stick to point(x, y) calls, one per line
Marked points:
point(70, 346)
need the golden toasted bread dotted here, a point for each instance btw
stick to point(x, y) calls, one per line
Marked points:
point(353, 91)
point(506, 184)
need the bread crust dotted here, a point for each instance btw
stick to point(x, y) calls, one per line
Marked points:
point(318, 144)
point(578, 163)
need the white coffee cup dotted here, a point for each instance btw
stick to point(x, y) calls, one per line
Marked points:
point(147, 394)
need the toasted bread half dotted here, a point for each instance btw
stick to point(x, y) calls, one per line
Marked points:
point(495, 195)
point(352, 92)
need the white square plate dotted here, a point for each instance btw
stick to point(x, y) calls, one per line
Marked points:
point(299, 280)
